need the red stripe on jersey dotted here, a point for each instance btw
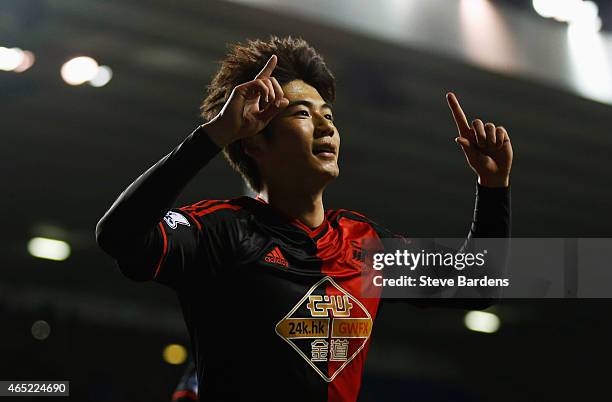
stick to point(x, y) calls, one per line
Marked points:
point(199, 206)
point(346, 385)
point(205, 207)
point(164, 251)
point(217, 207)
point(184, 394)
point(202, 204)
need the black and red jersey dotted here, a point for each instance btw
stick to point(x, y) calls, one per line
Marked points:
point(270, 302)
point(273, 307)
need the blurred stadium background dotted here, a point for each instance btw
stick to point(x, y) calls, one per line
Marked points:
point(541, 68)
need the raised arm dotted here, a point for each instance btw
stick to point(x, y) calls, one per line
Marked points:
point(127, 230)
point(128, 224)
point(489, 154)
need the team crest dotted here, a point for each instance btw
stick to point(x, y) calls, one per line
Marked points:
point(328, 327)
point(174, 218)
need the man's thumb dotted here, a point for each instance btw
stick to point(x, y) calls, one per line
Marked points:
point(271, 110)
point(463, 143)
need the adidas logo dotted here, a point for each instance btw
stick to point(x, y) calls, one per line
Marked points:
point(275, 256)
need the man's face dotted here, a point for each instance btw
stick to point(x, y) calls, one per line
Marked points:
point(303, 143)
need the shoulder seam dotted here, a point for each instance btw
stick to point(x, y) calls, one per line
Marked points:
point(206, 207)
point(356, 216)
point(346, 213)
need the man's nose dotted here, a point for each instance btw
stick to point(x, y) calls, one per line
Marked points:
point(324, 127)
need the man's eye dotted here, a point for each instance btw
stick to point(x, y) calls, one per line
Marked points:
point(306, 113)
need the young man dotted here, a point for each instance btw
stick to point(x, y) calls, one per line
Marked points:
point(268, 285)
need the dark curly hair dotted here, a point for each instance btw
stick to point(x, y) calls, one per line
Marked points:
point(296, 60)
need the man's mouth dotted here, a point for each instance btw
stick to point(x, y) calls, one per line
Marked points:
point(325, 150)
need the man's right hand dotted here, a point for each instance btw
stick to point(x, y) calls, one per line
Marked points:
point(242, 116)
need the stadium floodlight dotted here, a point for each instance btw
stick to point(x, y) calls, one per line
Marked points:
point(79, 70)
point(102, 77)
point(546, 8)
point(10, 58)
point(561, 10)
point(481, 321)
point(50, 249)
point(575, 12)
point(586, 17)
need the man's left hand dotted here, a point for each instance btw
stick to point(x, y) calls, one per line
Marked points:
point(487, 147)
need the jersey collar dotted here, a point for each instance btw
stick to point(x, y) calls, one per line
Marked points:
point(314, 233)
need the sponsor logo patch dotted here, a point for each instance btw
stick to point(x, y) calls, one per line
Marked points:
point(174, 218)
point(328, 327)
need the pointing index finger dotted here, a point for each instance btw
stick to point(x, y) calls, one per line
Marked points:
point(458, 115)
point(266, 71)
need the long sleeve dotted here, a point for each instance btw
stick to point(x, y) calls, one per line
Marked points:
point(492, 212)
point(129, 227)
point(491, 219)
